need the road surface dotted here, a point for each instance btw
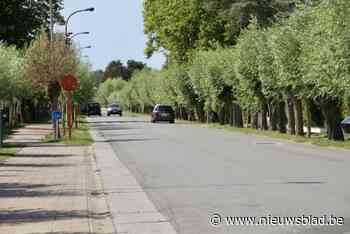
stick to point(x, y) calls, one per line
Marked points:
point(191, 173)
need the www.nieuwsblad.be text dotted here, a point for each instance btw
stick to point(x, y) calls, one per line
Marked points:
point(304, 220)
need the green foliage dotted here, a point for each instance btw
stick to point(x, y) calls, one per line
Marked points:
point(211, 76)
point(326, 50)
point(117, 70)
point(107, 88)
point(87, 85)
point(11, 74)
point(181, 27)
point(21, 20)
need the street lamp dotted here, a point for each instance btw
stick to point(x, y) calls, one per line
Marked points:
point(75, 12)
point(69, 95)
point(86, 47)
point(70, 36)
point(77, 34)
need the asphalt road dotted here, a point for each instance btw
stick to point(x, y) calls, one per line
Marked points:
point(191, 173)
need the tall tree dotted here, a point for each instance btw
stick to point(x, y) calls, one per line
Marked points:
point(179, 27)
point(134, 66)
point(115, 69)
point(47, 63)
point(21, 20)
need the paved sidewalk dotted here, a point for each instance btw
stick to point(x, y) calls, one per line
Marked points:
point(50, 188)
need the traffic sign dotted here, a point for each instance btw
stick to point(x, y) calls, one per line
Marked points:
point(56, 115)
point(69, 83)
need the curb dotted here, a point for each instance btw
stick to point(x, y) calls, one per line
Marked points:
point(98, 198)
point(131, 210)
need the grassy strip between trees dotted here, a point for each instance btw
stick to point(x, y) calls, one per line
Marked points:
point(319, 140)
point(80, 136)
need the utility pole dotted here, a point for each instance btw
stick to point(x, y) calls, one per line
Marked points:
point(56, 122)
point(51, 21)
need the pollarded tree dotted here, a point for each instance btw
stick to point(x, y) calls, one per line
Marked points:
point(208, 74)
point(185, 98)
point(107, 88)
point(269, 79)
point(286, 49)
point(247, 68)
point(326, 59)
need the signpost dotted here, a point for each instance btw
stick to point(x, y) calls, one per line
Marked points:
point(56, 116)
point(69, 83)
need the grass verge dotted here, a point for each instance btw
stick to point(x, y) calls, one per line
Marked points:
point(80, 136)
point(7, 151)
point(319, 140)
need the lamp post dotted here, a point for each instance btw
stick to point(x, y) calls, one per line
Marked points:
point(86, 47)
point(74, 13)
point(70, 36)
point(69, 94)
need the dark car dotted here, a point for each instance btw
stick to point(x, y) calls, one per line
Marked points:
point(94, 109)
point(163, 113)
point(114, 109)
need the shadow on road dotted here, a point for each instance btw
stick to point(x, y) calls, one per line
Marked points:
point(116, 121)
point(113, 128)
point(39, 215)
point(127, 140)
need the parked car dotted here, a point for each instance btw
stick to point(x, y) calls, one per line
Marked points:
point(345, 124)
point(163, 113)
point(114, 109)
point(94, 108)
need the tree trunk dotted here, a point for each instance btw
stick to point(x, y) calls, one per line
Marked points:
point(291, 116)
point(308, 116)
point(264, 125)
point(273, 110)
point(221, 114)
point(200, 112)
point(282, 118)
point(332, 113)
point(299, 120)
point(255, 120)
point(237, 118)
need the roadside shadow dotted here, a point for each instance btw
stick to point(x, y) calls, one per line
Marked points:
point(33, 165)
point(113, 128)
point(42, 155)
point(24, 186)
point(40, 215)
point(116, 121)
point(24, 190)
point(126, 140)
point(70, 233)
point(40, 129)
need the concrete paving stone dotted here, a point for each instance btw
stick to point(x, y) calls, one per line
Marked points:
point(51, 189)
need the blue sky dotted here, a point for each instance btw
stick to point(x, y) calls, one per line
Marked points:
point(116, 31)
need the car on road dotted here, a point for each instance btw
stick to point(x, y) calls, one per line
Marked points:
point(114, 109)
point(94, 108)
point(163, 113)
